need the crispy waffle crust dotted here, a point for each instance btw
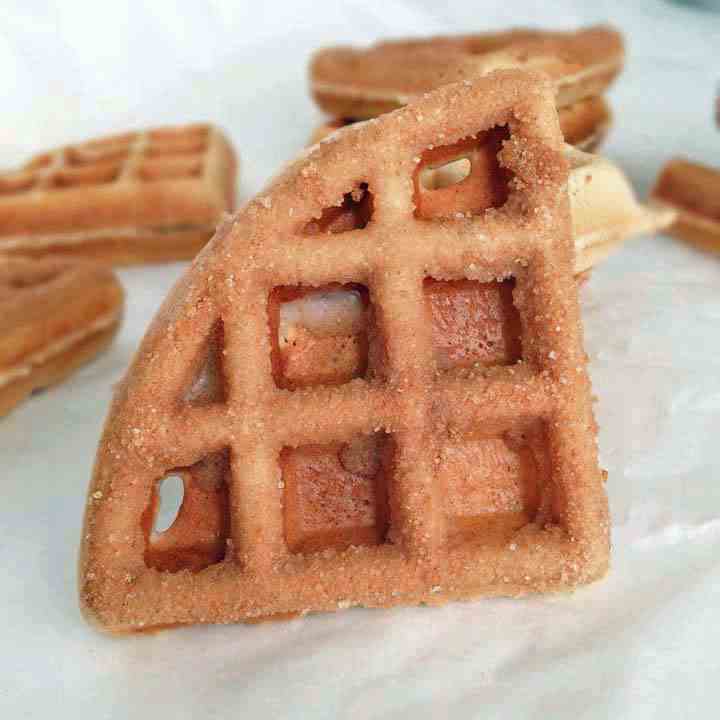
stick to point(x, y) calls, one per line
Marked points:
point(604, 210)
point(692, 192)
point(319, 497)
point(362, 83)
point(584, 124)
point(148, 196)
point(55, 316)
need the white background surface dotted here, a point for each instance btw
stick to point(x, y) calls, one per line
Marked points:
point(645, 643)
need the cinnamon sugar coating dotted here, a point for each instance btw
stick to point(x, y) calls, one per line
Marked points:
point(452, 464)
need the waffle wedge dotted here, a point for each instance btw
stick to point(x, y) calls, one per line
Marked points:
point(455, 457)
point(54, 317)
point(148, 196)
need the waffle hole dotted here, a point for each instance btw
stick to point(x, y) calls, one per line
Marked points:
point(91, 175)
point(169, 168)
point(207, 383)
point(319, 336)
point(495, 482)
point(187, 521)
point(16, 183)
point(171, 491)
point(462, 179)
point(336, 495)
point(443, 176)
point(353, 213)
point(474, 324)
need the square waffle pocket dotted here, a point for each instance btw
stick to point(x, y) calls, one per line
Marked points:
point(147, 196)
point(443, 444)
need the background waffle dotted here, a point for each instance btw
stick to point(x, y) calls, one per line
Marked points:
point(55, 315)
point(692, 192)
point(204, 398)
point(147, 196)
point(363, 83)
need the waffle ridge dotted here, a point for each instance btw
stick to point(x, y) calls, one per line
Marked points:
point(151, 429)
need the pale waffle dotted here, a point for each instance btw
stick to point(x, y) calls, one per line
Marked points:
point(692, 192)
point(584, 124)
point(363, 83)
point(605, 212)
point(55, 315)
point(437, 470)
point(147, 196)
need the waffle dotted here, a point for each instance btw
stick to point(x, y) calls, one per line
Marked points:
point(584, 124)
point(141, 197)
point(605, 212)
point(55, 316)
point(436, 471)
point(363, 83)
point(692, 191)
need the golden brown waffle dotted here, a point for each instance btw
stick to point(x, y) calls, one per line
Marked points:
point(363, 83)
point(692, 191)
point(55, 315)
point(141, 197)
point(303, 497)
point(584, 124)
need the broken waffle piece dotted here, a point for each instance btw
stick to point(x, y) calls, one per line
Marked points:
point(605, 211)
point(441, 447)
point(141, 197)
point(54, 317)
point(692, 191)
point(356, 83)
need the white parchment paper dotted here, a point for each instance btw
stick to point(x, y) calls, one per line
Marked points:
point(642, 644)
